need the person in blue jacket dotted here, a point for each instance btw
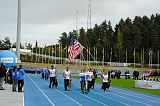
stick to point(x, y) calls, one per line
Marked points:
point(83, 81)
point(14, 78)
point(20, 78)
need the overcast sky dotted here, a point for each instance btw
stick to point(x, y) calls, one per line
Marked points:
point(45, 20)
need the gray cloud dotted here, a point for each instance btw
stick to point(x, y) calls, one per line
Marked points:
point(45, 20)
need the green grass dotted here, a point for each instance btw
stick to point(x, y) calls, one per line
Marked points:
point(129, 84)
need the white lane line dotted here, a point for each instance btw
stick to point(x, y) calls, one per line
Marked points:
point(89, 97)
point(69, 98)
point(63, 94)
point(43, 92)
point(136, 93)
point(136, 96)
point(108, 97)
point(23, 99)
point(81, 94)
point(129, 99)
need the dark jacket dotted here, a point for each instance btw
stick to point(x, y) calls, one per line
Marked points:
point(2, 71)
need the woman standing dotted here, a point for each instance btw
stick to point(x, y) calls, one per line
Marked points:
point(105, 82)
point(67, 78)
point(14, 78)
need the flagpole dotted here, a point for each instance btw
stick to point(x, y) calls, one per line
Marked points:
point(103, 57)
point(134, 57)
point(158, 59)
point(151, 58)
point(66, 53)
point(49, 55)
point(45, 53)
point(89, 56)
point(126, 57)
point(96, 57)
point(52, 52)
point(61, 54)
point(143, 57)
point(42, 54)
point(55, 54)
point(93, 58)
point(36, 55)
point(32, 55)
point(111, 58)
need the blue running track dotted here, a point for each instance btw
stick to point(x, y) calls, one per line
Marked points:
point(37, 93)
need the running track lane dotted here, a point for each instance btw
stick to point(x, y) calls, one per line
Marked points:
point(37, 93)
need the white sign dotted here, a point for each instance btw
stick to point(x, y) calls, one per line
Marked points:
point(147, 84)
point(7, 60)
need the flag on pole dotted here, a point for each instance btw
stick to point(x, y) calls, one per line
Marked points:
point(74, 49)
point(65, 48)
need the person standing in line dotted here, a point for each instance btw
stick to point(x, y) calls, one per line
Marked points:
point(46, 74)
point(82, 75)
point(15, 75)
point(105, 81)
point(43, 72)
point(20, 78)
point(89, 76)
point(2, 75)
point(93, 78)
point(136, 75)
point(67, 78)
point(53, 75)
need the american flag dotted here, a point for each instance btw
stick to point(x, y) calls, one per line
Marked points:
point(74, 49)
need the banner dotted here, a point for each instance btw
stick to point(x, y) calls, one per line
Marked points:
point(147, 84)
point(7, 60)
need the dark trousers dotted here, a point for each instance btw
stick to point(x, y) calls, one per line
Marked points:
point(105, 85)
point(92, 84)
point(20, 85)
point(66, 82)
point(43, 75)
point(53, 82)
point(136, 77)
point(89, 85)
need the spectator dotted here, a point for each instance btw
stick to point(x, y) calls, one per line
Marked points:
point(2, 75)
point(136, 75)
point(20, 78)
point(46, 74)
point(15, 75)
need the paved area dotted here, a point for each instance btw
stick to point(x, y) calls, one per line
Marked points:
point(9, 98)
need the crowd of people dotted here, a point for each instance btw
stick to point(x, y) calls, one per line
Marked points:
point(87, 79)
point(13, 75)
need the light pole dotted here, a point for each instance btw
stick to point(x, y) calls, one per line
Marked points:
point(18, 31)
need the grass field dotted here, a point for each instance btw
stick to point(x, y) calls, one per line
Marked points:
point(129, 84)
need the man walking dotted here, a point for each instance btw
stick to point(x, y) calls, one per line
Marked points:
point(67, 78)
point(53, 75)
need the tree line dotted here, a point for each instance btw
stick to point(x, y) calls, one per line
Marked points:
point(129, 37)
